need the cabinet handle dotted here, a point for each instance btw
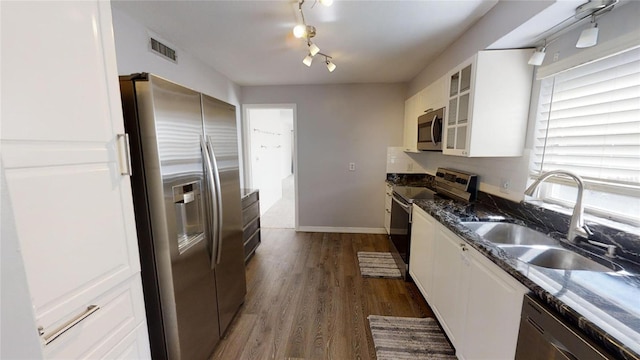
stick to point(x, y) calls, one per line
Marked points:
point(124, 139)
point(68, 325)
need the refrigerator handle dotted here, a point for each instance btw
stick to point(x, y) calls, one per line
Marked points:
point(208, 174)
point(219, 213)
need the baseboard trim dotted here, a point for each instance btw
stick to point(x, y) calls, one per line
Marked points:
point(349, 230)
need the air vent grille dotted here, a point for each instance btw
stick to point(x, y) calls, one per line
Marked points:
point(163, 50)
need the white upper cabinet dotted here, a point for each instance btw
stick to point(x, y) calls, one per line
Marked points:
point(73, 209)
point(413, 107)
point(488, 104)
point(435, 95)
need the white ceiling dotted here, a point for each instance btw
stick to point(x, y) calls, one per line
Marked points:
point(251, 42)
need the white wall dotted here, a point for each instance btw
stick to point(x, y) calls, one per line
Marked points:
point(336, 125)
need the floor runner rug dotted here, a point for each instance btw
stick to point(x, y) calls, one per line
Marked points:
point(400, 338)
point(378, 264)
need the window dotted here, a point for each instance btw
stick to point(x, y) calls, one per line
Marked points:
point(589, 123)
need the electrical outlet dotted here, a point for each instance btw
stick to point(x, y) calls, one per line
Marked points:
point(352, 166)
point(556, 56)
point(504, 185)
point(410, 167)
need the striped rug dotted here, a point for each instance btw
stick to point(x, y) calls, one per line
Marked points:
point(400, 338)
point(378, 264)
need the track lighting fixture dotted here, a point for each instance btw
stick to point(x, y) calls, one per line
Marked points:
point(589, 36)
point(307, 32)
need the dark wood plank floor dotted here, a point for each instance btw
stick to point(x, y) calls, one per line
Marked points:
point(307, 300)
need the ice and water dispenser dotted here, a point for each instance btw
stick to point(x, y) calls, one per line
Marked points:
point(187, 200)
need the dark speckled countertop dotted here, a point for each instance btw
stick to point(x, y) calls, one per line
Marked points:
point(605, 306)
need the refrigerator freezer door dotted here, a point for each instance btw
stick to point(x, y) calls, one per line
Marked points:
point(220, 131)
point(170, 130)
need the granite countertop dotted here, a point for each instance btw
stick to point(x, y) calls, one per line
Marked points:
point(606, 306)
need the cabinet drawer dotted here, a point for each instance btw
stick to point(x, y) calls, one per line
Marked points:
point(250, 213)
point(250, 229)
point(121, 312)
point(249, 199)
point(251, 245)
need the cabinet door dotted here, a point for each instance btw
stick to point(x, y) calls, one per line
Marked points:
point(387, 208)
point(494, 304)
point(449, 285)
point(410, 124)
point(421, 262)
point(73, 209)
point(458, 114)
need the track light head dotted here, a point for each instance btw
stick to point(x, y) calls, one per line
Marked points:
point(588, 37)
point(308, 60)
point(537, 58)
point(313, 48)
point(330, 65)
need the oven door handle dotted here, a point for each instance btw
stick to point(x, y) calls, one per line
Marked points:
point(407, 208)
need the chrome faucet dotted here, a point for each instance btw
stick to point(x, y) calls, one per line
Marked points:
point(577, 226)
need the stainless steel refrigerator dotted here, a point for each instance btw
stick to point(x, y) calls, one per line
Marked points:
point(185, 182)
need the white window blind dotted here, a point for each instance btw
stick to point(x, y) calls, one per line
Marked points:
point(589, 123)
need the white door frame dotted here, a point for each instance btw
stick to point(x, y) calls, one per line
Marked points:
point(247, 148)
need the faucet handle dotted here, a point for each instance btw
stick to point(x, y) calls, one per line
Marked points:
point(587, 230)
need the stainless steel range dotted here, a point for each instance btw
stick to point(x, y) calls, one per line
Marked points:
point(450, 183)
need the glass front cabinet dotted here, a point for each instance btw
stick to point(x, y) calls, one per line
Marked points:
point(488, 104)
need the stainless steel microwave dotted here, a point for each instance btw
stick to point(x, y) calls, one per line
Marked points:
point(430, 130)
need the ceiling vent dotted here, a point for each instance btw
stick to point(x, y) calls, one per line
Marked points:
point(163, 50)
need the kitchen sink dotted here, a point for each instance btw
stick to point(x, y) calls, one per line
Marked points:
point(535, 248)
point(557, 258)
point(512, 234)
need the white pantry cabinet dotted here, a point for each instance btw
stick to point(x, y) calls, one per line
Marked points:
point(64, 162)
point(488, 104)
point(422, 240)
point(477, 303)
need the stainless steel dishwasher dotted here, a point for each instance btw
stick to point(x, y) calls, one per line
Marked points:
point(544, 336)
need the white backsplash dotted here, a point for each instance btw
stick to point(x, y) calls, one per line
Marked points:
point(400, 163)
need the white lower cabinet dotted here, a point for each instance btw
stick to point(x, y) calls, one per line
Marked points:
point(387, 208)
point(449, 291)
point(477, 303)
point(493, 311)
point(421, 261)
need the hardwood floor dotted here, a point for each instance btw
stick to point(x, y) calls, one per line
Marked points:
point(307, 300)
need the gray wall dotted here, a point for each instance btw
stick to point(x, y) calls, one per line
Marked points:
point(336, 125)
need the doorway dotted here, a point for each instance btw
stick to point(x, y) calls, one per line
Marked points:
point(270, 145)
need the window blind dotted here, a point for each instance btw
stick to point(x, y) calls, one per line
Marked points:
point(589, 122)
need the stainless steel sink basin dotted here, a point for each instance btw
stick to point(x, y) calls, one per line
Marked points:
point(557, 258)
point(507, 233)
point(535, 248)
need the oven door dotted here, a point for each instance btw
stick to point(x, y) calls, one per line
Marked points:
point(400, 233)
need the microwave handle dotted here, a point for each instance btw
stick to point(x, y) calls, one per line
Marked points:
point(433, 123)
